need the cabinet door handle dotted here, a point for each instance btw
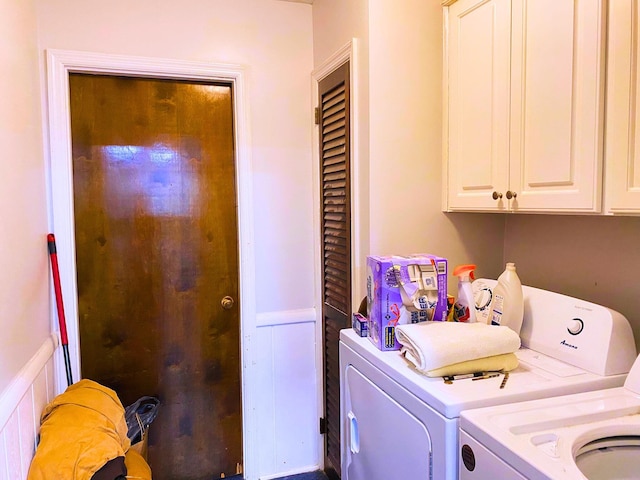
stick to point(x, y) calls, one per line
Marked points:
point(511, 194)
point(496, 195)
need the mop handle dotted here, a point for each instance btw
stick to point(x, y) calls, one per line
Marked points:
point(51, 241)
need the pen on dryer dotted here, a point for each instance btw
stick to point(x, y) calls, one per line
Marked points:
point(504, 380)
point(488, 375)
point(451, 378)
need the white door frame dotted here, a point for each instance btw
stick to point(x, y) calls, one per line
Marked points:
point(61, 217)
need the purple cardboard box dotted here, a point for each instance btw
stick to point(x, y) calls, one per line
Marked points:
point(404, 289)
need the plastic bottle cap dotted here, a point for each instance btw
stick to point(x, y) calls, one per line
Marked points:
point(464, 269)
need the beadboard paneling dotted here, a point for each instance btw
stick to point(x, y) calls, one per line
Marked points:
point(20, 407)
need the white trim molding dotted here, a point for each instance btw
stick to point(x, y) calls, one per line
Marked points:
point(60, 64)
point(286, 317)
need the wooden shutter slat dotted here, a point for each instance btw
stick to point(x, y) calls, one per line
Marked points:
point(333, 145)
point(333, 217)
point(338, 133)
point(340, 90)
point(337, 249)
point(335, 226)
point(336, 183)
point(339, 123)
point(333, 172)
point(333, 108)
point(334, 118)
point(332, 160)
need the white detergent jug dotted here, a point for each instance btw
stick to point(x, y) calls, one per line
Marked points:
point(507, 304)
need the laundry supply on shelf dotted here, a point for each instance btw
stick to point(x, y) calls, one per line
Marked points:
point(403, 290)
point(359, 324)
point(507, 304)
point(482, 289)
point(434, 345)
point(464, 309)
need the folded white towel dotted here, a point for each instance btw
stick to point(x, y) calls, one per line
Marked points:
point(431, 345)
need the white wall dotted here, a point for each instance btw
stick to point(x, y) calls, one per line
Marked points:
point(24, 282)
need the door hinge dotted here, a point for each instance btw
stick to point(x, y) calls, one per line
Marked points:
point(317, 115)
point(323, 425)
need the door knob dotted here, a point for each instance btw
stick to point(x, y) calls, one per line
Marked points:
point(511, 194)
point(496, 195)
point(227, 302)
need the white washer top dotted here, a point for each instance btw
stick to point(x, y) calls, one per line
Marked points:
point(540, 438)
point(537, 376)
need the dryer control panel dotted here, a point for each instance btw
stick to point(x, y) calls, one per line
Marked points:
point(581, 333)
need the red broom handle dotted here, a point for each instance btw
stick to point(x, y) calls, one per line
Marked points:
point(51, 241)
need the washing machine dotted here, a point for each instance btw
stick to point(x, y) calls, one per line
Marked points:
point(590, 435)
point(399, 424)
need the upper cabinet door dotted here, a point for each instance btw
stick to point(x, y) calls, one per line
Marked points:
point(557, 104)
point(524, 83)
point(623, 109)
point(477, 69)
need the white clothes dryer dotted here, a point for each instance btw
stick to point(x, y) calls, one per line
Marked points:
point(397, 423)
point(585, 436)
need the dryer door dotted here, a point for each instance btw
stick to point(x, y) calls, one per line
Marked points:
point(384, 440)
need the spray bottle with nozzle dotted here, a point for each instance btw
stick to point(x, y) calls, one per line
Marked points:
point(464, 309)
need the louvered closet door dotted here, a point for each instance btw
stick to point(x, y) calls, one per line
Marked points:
point(336, 246)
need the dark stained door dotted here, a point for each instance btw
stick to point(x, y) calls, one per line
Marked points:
point(335, 216)
point(156, 252)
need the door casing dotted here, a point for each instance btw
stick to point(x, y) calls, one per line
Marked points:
point(60, 64)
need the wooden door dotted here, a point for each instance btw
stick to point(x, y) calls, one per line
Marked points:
point(335, 215)
point(156, 252)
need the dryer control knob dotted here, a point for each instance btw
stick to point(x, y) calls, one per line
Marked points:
point(575, 326)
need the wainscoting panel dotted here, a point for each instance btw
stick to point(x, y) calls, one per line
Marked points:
point(21, 404)
point(288, 435)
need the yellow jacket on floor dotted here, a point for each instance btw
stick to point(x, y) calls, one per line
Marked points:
point(81, 430)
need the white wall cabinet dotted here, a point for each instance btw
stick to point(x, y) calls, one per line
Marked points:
point(622, 145)
point(524, 83)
